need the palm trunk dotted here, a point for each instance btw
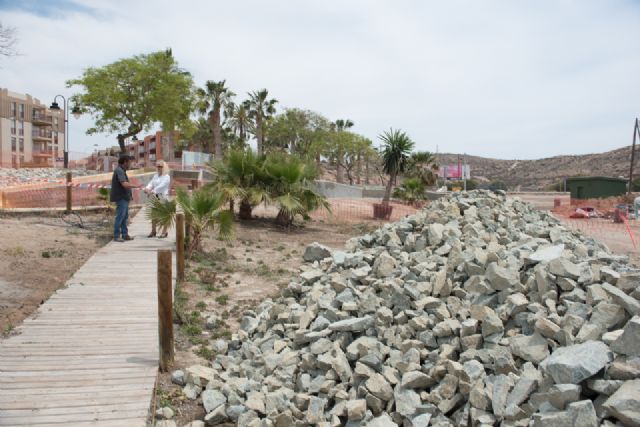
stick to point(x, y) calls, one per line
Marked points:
point(358, 168)
point(284, 219)
point(259, 136)
point(244, 211)
point(387, 191)
point(217, 134)
point(366, 171)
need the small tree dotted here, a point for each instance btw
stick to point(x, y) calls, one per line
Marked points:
point(133, 94)
point(7, 41)
point(203, 211)
point(395, 155)
point(411, 191)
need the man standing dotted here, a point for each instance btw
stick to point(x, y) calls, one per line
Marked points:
point(121, 195)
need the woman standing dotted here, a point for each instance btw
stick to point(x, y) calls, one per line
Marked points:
point(159, 187)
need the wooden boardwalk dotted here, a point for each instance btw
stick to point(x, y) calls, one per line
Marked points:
point(89, 355)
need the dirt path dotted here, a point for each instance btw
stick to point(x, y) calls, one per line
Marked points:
point(38, 254)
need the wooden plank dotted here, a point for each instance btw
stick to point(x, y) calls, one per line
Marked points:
point(89, 355)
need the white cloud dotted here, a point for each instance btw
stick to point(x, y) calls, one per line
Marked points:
point(507, 79)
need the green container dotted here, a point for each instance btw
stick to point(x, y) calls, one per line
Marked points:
point(596, 187)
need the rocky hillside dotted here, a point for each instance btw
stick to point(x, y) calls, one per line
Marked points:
point(540, 174)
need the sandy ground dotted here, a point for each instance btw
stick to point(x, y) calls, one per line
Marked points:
point(38, 254)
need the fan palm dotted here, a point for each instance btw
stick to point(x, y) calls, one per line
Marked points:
point(202, 210)
point(238, 120)
point(411, 191)
point(290, 188)
point(215, 96)
point(396, 149)
point(260, 109)
point(240, 177)
point(423, 165)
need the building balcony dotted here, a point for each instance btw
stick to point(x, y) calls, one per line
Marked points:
point(41, 136)
point(42, 153)
point(42, 120)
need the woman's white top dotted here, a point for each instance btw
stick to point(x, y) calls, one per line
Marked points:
point(159, 185)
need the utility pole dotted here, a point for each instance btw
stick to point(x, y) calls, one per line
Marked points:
point(464, 162)
point(636, 131)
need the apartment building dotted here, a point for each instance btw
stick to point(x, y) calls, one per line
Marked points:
point(158, 146)
point(31, 135)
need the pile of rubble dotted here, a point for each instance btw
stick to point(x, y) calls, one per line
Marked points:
point(477, 311)
point(10, 176)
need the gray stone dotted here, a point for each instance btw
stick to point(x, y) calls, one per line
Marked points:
point(352, 324)
point(624, 404)
point(629, 342)
point(583, 414)
point(211, 399)
point(315, 412)
point(564, 268)
point(576, 363)
point(546, 254)
point(384, 265)
point(407, 401)
point(379, 387)
point(383, 420)
point(312, 275)
point(217, 416)
point(533, 348)
point(560, 395)
point(316, 252)
point(356, 409)
point(629, 303)
point(628, 282)
point(164, 413)
point(177, 377)
point(416, 379)
point(501, 278)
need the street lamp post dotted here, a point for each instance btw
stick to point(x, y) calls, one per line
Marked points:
point(76, 113)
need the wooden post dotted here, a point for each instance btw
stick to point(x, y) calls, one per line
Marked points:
point(165, 309)
point(180, 246)
point(194, 184)
point(69, 192)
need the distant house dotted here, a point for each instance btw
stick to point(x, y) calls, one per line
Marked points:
point(595, 187)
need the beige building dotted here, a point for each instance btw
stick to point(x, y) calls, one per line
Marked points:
point(31, 135)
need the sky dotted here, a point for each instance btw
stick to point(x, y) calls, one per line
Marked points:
point(510, 79)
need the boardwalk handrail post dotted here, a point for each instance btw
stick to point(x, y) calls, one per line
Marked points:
point(68, 191)
point(180, 246)
point(165, 309)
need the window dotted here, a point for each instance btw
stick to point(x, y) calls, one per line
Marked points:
point(13, 144)
point(14, 161)
point(13, 126)
point(21, 160)
point(21, 127)
point(13, 109)
point(21, 111)
point(21, 144)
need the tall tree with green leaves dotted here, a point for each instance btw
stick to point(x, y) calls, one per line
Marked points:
point(134, 94)
point(397, 147)
point(424, 166)
point(238, 120)
point(214, 98)
point(340, 126)
point(297, 131)
point(260, 109)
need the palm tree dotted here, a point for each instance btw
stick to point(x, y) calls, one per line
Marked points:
point(215, 96)
point(238, 119)
point(290, 188)
point(240, 177)
point(395, 155)
point(411, 191)
point(202, 210)
point(423, 165)
point(260, 109)
point(341, 125)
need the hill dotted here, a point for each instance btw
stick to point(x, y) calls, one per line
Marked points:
point(541, 174)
